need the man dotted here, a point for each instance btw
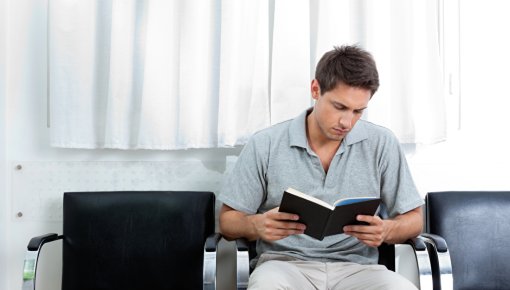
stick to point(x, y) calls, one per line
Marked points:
point(329, 153)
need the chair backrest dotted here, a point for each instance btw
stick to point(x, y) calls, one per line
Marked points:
point(476, 227)
point(135, 240)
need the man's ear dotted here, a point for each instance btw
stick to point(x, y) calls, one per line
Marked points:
point(315, 89)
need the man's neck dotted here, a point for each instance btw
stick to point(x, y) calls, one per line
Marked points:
point(324, 147)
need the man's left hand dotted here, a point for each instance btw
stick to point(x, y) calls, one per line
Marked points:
point(372, 235)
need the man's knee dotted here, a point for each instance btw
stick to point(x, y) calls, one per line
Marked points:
point(394, 281)
point(282, 275)
point(373, 277)
point(269, 275)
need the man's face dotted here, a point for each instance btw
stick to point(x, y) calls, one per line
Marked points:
point(337, 111)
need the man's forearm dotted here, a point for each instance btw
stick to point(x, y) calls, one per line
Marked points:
point(404, 226)
point(235, 225)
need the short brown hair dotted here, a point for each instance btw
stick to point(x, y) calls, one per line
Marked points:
point(350, 65)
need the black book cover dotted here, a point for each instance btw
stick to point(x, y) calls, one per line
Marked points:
point(322, 219)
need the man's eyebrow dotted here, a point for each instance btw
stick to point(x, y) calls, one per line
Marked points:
point(337, 103)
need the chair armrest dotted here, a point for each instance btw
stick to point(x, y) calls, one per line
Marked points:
point(37, 242)
point(421, 259)
point(417, 243)
point(438, 241)
point(440, 260)
point(211, 243)
point(210, 249)
point(242, 245)
point(32, 256)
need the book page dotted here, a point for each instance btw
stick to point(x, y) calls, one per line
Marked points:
point(350, 200)
point(309, 197)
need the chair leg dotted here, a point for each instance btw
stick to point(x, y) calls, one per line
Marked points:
point(242, 264)
point(209, 270)
point(243, 269)
point(29, 270)
point(32, 255)
point(423, 259)
point(424, 269)
point(210, 250)
point(440, 257)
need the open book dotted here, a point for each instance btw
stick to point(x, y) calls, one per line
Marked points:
point(322, 219)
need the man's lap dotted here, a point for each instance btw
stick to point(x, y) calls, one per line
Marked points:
point(283, 272)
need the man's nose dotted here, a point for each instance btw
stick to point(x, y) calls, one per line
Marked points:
point(345, 120)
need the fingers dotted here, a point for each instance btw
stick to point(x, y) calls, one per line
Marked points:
point(373, 222)
point(276, 215)
point(278, 225)
point(275, 229)
point(371, 234)
point(369, 219)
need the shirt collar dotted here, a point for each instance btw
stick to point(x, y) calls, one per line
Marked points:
point(297, 132)
point(357, 134)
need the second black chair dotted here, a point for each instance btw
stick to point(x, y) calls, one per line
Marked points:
point(476, 227)
point(133, 240)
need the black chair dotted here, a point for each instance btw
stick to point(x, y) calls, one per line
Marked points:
point(247, 251)
point(133, 240)
point(471, 231)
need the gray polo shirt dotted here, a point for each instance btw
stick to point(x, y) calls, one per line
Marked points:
point(369, 162)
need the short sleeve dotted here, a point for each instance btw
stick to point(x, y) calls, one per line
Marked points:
point(398, 190)
point(245, 187)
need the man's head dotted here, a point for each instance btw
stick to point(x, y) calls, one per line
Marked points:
point(345, 80)
point(349, 65)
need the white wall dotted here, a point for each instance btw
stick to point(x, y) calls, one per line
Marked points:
point(3, 150)
point(476, 157)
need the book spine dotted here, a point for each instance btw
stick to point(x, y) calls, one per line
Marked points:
point(326, 225)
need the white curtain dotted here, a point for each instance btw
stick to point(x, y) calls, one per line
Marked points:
point(162, 74)
point(134, 74)
point(403, 37)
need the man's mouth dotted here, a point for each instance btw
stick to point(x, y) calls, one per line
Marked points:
point(340, 131)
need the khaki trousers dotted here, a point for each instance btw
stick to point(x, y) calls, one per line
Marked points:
point(283, 272)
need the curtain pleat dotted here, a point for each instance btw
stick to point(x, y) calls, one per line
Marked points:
point(244, 70)
point(290, 70)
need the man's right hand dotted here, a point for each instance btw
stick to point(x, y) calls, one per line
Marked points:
point(269, 226)
point(274, 225)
